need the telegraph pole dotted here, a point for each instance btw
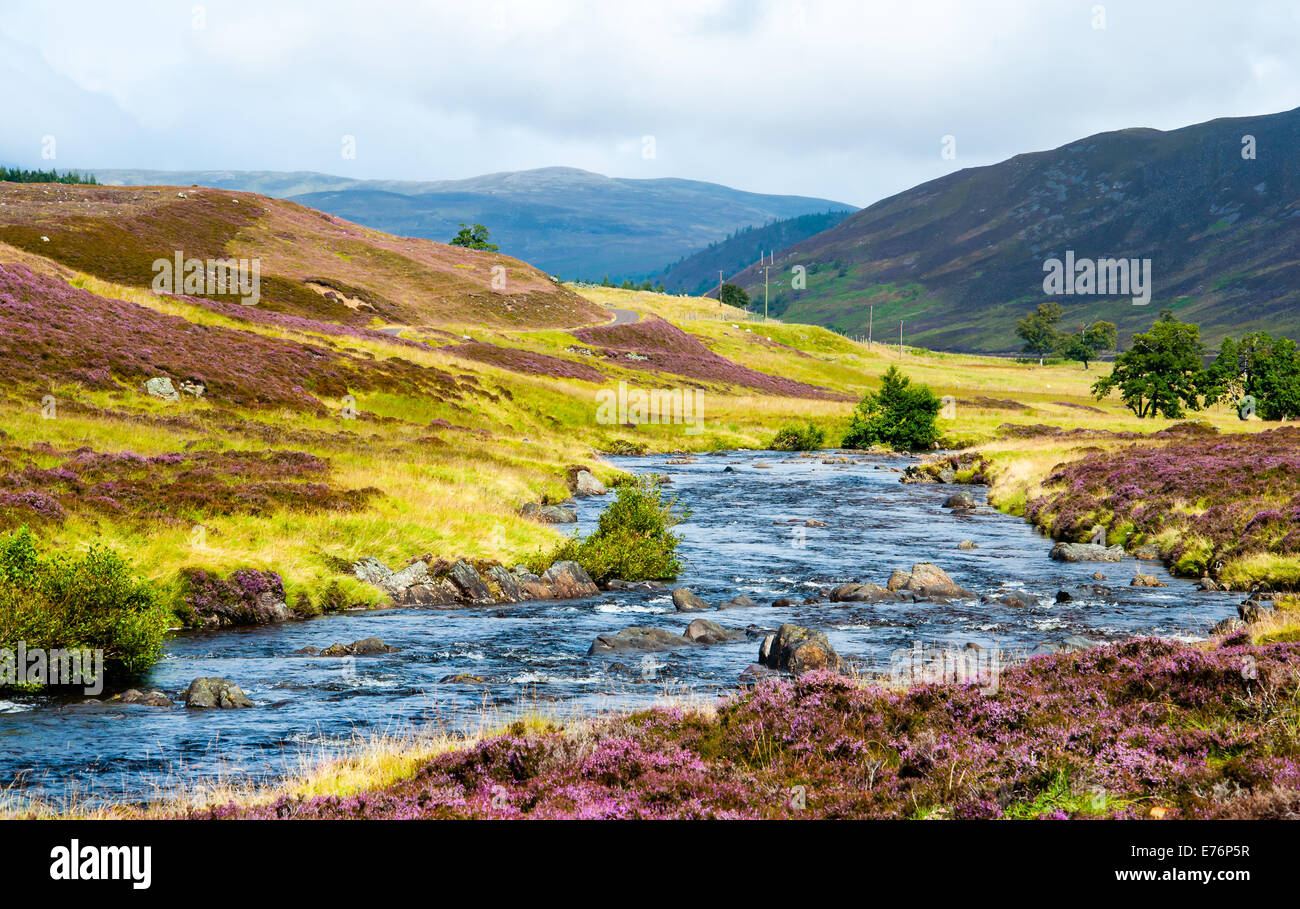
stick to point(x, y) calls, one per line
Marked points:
point(900, 339)
point(871, 317)
point(765, 270)
point(719, 287)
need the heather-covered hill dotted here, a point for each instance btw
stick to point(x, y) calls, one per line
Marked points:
point(312, 264)
point(960, 258)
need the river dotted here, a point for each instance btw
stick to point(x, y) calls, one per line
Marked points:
point(533, 656)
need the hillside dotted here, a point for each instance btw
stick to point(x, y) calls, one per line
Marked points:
point(566, 221)
point(698, 273)
point(961, 258)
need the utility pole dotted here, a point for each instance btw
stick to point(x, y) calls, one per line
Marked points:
point(719, 287)
point(900, 339)
point(871, 317)
point(765, 270)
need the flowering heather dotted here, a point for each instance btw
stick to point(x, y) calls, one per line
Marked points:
point(170, 487)
point(655, 344)
point(1218, 497)
point(51, 331)
point(247, 597)
point(525, 361)
point(1114, 731)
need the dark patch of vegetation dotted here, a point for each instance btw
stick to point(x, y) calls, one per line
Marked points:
point(798, 438)
point(475, 237)
point(88, 601)
point(21, 175)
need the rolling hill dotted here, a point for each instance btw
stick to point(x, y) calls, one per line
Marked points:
point(698, 273)
point(961, 258)
point(569, 222)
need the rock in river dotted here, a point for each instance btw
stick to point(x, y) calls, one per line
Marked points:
point(150, 698)
point(798, 649)
point(686, 601)
point(215, 692)
point(929, 581)
point(637, 638)
point(586, 484)
point(1087, 552)
point(568, 581)
point(702, 631)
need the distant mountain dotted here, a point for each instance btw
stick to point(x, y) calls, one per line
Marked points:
point(569, 222)
point(961, 258)
point(698, 273)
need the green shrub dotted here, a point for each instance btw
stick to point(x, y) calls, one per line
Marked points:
point(633, 539)
point(798, 438)
point(91, 601)
point(900, 415)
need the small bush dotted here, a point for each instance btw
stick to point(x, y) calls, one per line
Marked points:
point(901, 415)
point(798, 438)
point(91, 601)
point(633, 539)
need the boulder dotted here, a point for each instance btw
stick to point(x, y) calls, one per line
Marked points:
point(753, 674)
point(532, 586)
point(861, 593)
point(798, 649)
point(371, 571)
point(1149, 552)
point(1146, 580)
point(462, 678)
point(440, 593)
point(1087, 552)
point(568, 581)
point(363, 647)
point(928, 581)
point(959, 500)
point(620, 584)
point(638, 638)
point(1077, 642)
point(151, 698)
point(686, 601)
point(1228, 626)
point(967, 545)
point(741, 601)
point(765, 649)
point(1063, 596)
point(1016, 599)
point(466, 578)
point(783, 603)
point(1208, 583)
point(1252, 611)
point(215, 692)
point(415, 573)
point(549, 514)
point(702, 631)
point(586, 484)
point(161, 387)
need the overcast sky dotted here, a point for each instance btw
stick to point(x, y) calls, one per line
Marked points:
point(844, 100)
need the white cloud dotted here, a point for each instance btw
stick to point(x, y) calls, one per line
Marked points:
point(845, 100)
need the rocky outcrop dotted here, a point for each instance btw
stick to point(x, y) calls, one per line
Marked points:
point(549, 514)
point(702, 631)
point(1087, 552)
point(1146, 580)
point(959, 500)
point(686, 601)
point(798, 649)
point(213, 692)
point(568, 581)
point(638, 638)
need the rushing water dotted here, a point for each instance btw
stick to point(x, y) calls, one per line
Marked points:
point(534, 655)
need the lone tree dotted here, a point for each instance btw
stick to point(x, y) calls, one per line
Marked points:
point(1090, 340)
point(900, 415)
point(1162, 372)
point(733, 295)
point(1038, 330)
point(475, 237)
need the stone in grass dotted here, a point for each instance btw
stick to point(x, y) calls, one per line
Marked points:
point(586, 484)
point(215, 692)
point(161, 387)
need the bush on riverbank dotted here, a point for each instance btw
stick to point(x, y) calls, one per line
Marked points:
point(1145, 728)
point(633, 539)
point(88, 601)
point(901, 415)
point(798, 438)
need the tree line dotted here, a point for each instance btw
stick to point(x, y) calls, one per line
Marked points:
point(19, 175)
